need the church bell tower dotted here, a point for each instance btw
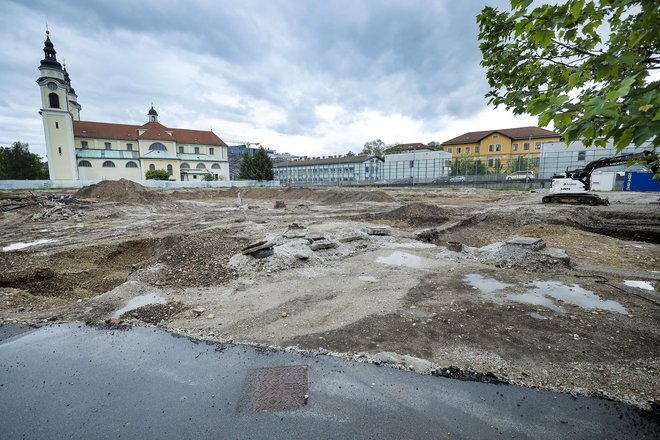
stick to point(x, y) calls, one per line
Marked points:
point(56, 113)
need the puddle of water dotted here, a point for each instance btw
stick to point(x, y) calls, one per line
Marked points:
point(16, 246)
point(535, 299)
point(537, 315)
point(486, 285)
point(368, 279)
point(413, 245)
point(139, 301)
point(420, 313)
point(544, 291)
point(404, 259)
point(646, 285)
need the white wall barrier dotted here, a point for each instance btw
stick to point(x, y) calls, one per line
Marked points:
point(74, 184)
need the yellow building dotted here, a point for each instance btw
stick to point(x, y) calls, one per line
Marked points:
point(500, 150)
point(86, 150)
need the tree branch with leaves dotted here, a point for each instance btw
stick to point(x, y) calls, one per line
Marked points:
point(583, 66)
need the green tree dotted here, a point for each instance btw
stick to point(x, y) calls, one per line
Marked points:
point(467, 166)
point(374, 148)
point(247, 168)
point(518, 163)
point(157, 175)
point(257, 167)
point(17, 163)
point(392, 149)
point(350, 154)
point(582, 65)
point(263, 165)
point(436, 146)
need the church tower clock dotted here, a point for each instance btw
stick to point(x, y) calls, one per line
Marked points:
point(56, 100)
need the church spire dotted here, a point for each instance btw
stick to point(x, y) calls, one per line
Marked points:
point(50, 60)
point(153, 115)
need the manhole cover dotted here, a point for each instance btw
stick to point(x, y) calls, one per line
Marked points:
point(275, 388)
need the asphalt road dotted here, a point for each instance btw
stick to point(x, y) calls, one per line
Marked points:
point(73, 381)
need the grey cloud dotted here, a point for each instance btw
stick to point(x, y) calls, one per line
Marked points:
point(417, 58)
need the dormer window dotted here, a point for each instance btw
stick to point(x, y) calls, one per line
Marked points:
point(157, 146)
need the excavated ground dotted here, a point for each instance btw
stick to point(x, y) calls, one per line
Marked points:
point(173, 258)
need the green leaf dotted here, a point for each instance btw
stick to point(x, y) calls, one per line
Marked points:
point(543, 37)
point(622, 90)
point(576, 9)
point(574, 79)
point(544, 119)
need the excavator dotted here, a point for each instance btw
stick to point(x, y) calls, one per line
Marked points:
point(572, 187)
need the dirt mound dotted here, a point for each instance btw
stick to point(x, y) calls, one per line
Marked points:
point(348, 196)
point(324, 196)
point(155, 313)
point(125, 191)
point(198, 259)
point(413, 214)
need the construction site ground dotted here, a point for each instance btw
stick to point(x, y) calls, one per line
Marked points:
point(359, 272)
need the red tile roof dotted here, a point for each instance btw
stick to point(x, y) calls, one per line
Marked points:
point(154, 131)
point(513, 133)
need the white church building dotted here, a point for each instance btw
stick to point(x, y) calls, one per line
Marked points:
point(85, 150)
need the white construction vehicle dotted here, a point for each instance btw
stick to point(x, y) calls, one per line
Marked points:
point(573, 187)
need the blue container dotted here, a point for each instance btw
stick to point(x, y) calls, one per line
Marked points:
point(636, 181)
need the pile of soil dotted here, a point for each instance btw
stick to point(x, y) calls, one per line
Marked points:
point(155, 313)
point(343, 196)
point(198, 259)
point(414, 214)
point(125, 191)
point(323, 196)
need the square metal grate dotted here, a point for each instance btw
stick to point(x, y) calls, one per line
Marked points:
point(275, 388)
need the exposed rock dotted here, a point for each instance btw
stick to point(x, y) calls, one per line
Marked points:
point(377, 230)
point(254, 247)
point(322, 244)
point(198, 311)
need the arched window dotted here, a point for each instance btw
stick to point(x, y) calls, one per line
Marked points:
point(157, 146)
point(201, 166)
point(53, 100)
point(184, 165)
point(152, 167)
point(131, 164)
point(108, 164)
point(170, 170)
point(215, 166)
point(85, 163)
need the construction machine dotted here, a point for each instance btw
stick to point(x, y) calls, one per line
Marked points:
point(573, 187)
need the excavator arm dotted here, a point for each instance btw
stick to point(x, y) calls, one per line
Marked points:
point(567, 189)
point(584, 174)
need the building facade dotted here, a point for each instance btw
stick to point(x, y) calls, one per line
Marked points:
point(338, 170)
point(85, 150)
point(499, 149)
point(417, 166)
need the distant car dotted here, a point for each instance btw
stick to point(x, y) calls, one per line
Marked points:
point(521, 175)
point(457, 179)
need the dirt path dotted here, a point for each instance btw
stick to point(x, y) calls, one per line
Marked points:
point(562, 321)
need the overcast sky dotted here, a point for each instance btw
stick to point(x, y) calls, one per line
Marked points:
point(305, 77)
